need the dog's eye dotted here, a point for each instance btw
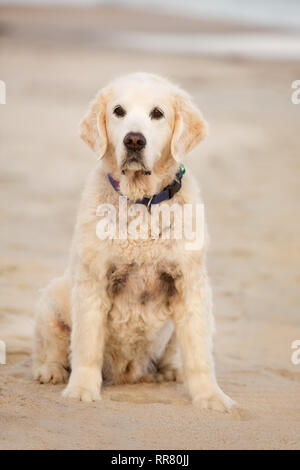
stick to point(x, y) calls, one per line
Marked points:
point(156, 114)
point(119, 111)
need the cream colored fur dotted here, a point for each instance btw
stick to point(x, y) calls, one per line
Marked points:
point(131, 310)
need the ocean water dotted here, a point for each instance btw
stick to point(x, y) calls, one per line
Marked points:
point(281, 13)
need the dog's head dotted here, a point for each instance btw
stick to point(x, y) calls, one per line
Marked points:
point(140, 118)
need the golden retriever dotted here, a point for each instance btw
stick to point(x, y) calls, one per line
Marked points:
point(134, 309)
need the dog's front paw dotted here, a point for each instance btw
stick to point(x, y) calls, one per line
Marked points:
point(218, 401)
point(84, 385)
point(81, 393)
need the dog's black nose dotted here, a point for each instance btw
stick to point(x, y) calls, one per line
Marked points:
point(134, 141)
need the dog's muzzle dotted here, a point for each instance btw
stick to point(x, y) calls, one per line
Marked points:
point(134, 142)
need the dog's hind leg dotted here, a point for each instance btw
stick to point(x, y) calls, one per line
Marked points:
point(165, 364)
point(52, 333)
point(169, 367)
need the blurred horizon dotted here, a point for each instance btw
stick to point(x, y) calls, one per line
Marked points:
point(232, 29)
point(272, 13)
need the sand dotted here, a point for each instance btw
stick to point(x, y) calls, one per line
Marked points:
point(248, 170)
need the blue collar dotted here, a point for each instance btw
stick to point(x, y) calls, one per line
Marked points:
point(164, 195)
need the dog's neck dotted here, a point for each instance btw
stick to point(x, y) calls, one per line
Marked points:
point(136, 185)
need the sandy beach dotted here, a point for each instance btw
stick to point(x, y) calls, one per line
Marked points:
point(53, 62)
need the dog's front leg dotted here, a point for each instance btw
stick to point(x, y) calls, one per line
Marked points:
point(194, 328)
point(87, 340)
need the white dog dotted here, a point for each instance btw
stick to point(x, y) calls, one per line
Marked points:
point(131, 310)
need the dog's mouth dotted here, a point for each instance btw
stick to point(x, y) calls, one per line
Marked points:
point(133, 161)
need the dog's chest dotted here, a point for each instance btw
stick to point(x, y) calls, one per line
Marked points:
point(142, 296)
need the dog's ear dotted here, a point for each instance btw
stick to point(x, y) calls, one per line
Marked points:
point(189, 127)
point(93, 125)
